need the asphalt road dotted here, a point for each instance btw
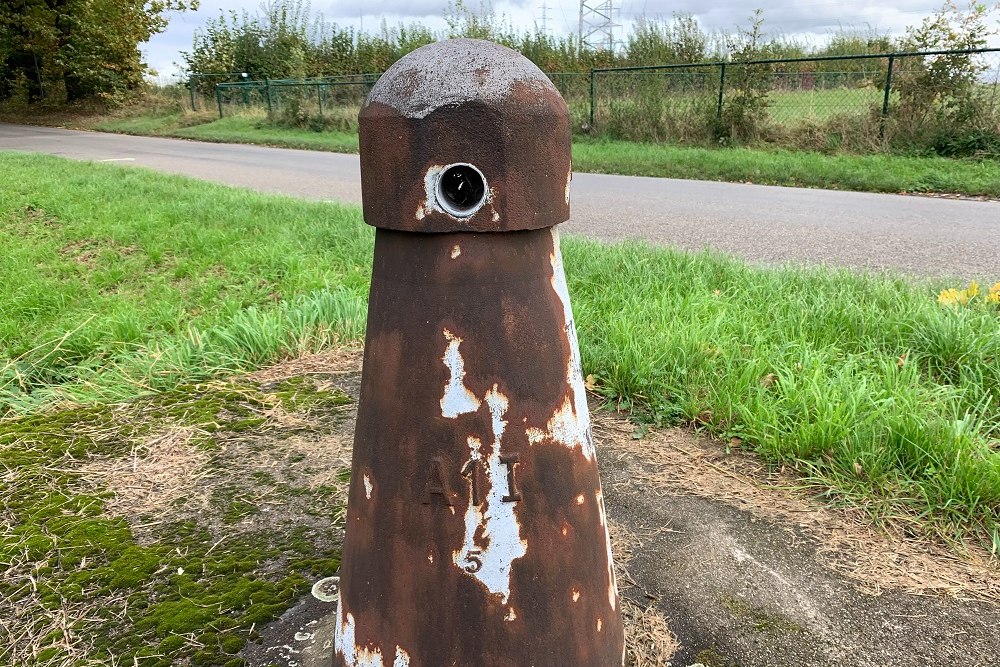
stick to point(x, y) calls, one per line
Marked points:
point(915, 235)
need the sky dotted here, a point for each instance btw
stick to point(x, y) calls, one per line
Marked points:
point(810, 20)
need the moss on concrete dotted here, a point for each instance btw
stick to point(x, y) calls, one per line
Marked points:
point(760, 619)
point(182, 593)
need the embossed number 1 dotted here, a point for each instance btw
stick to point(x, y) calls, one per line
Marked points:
point(473, 470)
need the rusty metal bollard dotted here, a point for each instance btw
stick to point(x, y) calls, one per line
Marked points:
point(476, 531)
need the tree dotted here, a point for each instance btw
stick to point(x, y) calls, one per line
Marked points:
point(943, 95)
point(659, 42)
point(78, 48)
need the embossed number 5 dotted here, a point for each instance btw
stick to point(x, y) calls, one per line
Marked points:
point(475, 563)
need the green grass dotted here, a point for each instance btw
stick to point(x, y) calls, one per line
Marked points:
point(786, 108)
point(248, 130)
point(883, 397)
point(869, 173)
point(232, 130)
point(794, 106)
point(866, 384)
point(167, 281)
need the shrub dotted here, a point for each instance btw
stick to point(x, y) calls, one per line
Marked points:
point(744, 115)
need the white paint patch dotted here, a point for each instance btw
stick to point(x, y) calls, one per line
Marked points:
point(495, 519)
point(511, 615)
point(368, 488)
point(360, 656)
point(569, 179)
point(344, 643)
point(570, 423)
point(612, 577)
point(600, 624)
point(430, 203)
point(456, 251)
point(457, 399)
point(576, 595)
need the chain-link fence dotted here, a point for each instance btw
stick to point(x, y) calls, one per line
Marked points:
point(296, 101)
point(309, 98)
point(859, 102)
point(201, 86)
point(856, 100)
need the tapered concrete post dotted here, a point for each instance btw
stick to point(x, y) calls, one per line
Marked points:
point(476, 532)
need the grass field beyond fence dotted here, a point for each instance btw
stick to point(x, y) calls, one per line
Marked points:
point(117, 282)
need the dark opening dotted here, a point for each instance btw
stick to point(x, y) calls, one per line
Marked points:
point(462, 189)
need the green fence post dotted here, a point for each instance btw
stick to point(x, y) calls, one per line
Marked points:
point(218, 98)
point(885, 96)
point(319, 97)
point(191, 88)
point(267, 88)
point(592, 98)
point(722, 89)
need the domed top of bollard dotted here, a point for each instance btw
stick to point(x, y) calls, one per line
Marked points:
point(465, 135)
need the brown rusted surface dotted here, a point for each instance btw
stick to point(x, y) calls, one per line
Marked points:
point(476, 533)
point(496, 110)
point(409, 498)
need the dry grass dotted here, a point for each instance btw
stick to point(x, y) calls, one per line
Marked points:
point(875, 558)
point(648, 639)
point(32, 626)
point(154, 475)
point(340, 361)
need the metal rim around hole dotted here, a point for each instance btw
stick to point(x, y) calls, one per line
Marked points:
point(445, 202)
point(327, 590)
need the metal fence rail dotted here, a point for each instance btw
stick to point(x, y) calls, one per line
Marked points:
point(194, 79)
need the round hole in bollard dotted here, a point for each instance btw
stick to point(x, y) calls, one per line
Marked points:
point(461, 189)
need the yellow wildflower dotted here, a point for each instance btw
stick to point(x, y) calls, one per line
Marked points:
point(948, 297)
point(994, 295)
point(952, 296)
